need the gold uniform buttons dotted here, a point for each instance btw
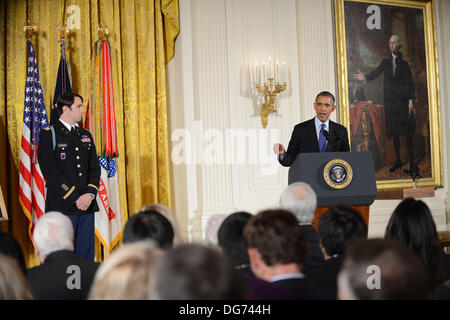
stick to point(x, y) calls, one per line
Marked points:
point(78, 165)
point(80, 174)
point(78, 157)
point(76, 149)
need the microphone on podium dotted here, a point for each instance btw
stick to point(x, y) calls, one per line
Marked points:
point(334, 139)
point(326, 134)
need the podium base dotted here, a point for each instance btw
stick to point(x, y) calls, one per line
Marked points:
point(363, 210)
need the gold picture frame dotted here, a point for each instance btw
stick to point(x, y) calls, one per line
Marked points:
point(379, 122)
point(3, 212)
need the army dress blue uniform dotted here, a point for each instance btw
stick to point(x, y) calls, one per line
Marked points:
point(68, 161)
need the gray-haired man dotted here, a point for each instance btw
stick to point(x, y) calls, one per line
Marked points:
point(300, 199)
point(62, 275)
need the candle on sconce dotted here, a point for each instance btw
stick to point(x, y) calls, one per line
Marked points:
point(256, 74)
point(270, 66)
point(260, 75)
point(283, 72)
point(264, 72)
point(278, 75)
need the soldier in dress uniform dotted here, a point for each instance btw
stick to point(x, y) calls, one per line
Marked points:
point(68, 160)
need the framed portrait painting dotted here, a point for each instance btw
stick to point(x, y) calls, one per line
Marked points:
point(388, 88)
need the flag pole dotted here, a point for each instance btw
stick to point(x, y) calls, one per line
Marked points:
point(63, 79)
point(103, 32)
point(63, 30)
point(30, 30)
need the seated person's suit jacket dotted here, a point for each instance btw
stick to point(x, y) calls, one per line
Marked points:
point(49, 281)
point(303, 289)
point(304, 139)
point(315, 255)
point(325, 277)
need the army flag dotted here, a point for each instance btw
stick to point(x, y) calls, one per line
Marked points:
point(101, 122)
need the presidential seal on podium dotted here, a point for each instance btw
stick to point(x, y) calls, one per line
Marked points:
point(338, 173)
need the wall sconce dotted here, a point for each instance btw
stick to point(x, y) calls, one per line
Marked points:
point(270, 80)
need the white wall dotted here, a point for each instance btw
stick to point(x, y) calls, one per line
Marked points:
point(209, 98)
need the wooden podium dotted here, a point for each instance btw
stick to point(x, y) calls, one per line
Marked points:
point(363, 210)
point(355, 186)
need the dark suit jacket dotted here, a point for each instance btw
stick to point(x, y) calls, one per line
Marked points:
point(258, 289)
point(325, 276)
point(49, 281)
point(303, 289)
point(304, 139)
point(315, 255)
point(71, 170)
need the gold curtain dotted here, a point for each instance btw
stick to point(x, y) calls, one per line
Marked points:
point(141, 34)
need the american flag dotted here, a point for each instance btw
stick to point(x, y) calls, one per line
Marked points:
point(31, 180)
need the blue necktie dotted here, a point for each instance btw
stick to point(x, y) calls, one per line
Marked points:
point(322, 140)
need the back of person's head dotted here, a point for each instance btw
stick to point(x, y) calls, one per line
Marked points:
point(196, 272)
point(127, 273)
point(149, 225)
point(166, 212)
point(53, 232)
point(379, 269)
point(412, 225)
point(338, 226)
point(10, 247)
point(231, 237)
point(212, 227)
point(277, 236)
point(13, 285)
point(300, 199)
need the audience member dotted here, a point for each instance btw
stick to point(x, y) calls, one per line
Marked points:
point(277, 250)
point(337, 227)
point(300, 199)
point(196, 272)
point(441, 292)
point(231, 242)
point(212, 227)
point(379, 269)
point(412, 225)
point(166, 212)
point(13, 285)
point(230, 239)
point(149, 225)
point(62, 275)
point(127, 273)
point(10, 247)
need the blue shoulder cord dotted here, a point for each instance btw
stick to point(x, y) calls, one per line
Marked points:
point(53, 137)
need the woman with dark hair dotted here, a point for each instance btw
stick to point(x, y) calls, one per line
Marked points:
point(412, 224)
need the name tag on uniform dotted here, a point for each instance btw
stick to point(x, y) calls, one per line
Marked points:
point(62, 145)
point(85, 139)
point(63, 156)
